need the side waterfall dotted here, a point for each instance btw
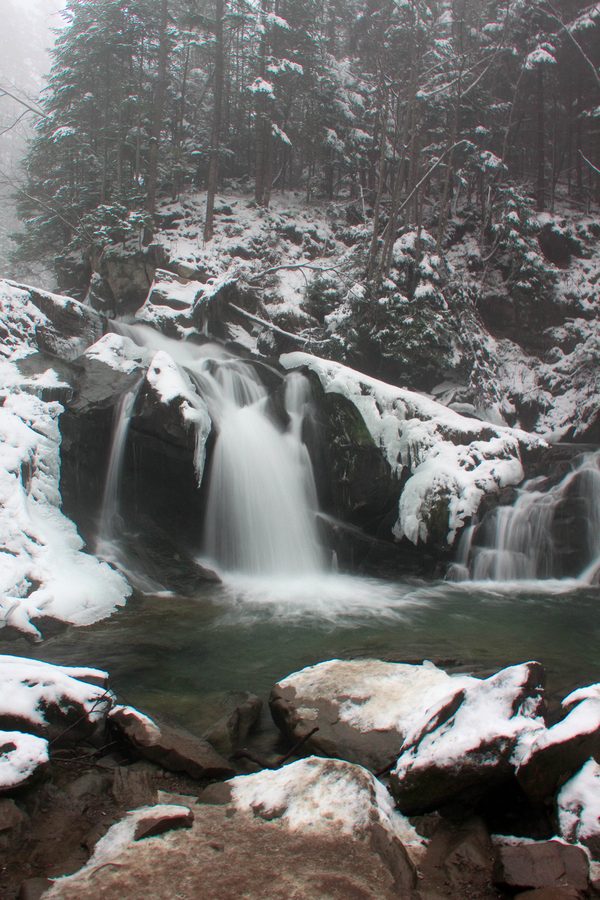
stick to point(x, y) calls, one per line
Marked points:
point(110, 499)
point(515, 543)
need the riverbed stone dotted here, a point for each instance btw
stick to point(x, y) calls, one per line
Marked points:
point(540, 864)
point(463, 746)
point(363, 709)
point(241, 714)
point(172, 748)
point(315, 828)
point(557, 753)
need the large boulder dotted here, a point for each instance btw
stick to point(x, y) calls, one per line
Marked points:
point(108, 368)
point(465, 744)
point(363, 709)
point(316, 828)
point(39, 320)
point(555, 754)
point(579, 808)
point(128, 271)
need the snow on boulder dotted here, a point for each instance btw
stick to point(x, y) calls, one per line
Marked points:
point(323, 797)
point(43, 569)
point(35, 320)
point(555, 754)
point(466, 743)
point(110, 367)
point(22, 756)
point(363, 708)
point(315, 828)
point(185, 409)
point(579, 808)
point(61, 703)
point(451, 461)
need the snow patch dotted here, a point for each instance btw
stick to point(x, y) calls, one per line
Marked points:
point(20, 755)
point(318, 796)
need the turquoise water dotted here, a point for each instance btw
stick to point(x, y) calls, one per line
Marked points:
point(177, 657)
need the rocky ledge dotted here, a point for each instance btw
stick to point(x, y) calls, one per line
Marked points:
point(427, 785)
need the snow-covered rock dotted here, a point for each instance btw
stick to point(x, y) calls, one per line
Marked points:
point(363, 709)
point(43, 569)
point(315, 828)
point(22, 756)
point(108, 368)
point(579, 808)
point(450, 462)
point(35, 320)
point(61, 703)
point(556, 753)
point(467, 742)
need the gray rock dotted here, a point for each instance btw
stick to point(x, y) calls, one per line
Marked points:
point(12, 823)
point(172, 748)
point(540, 864)
point(459, 861)
point(242, 714)
point(132, 785)
point(34, 888)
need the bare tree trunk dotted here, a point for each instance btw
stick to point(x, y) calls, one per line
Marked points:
point(158, 110)
point(215, 140)
point(540, 189)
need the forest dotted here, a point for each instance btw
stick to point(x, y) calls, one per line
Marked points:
point(408, 108)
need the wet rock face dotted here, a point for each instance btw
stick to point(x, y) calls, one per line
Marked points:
point(128, 272)
point(361, 488)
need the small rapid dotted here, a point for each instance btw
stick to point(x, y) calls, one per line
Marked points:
point(261, 508)
point(549, 533)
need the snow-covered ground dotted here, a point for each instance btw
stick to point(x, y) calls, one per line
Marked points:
point(43, 569)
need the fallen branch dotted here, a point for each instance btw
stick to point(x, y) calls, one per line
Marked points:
point(589, 162)
point(265, 764)
point(258, 321)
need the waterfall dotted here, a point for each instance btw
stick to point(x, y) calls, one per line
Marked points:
point(260, 517)
point(261, 496)
point(110, 499)
point(530, 539)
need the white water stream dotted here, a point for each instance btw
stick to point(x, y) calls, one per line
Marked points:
point(262, 502)
point(517, 543)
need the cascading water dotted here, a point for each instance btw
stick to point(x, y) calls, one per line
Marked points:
point(262, 503)
point(260, 517)
point(110, 499)
point(516, 543)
